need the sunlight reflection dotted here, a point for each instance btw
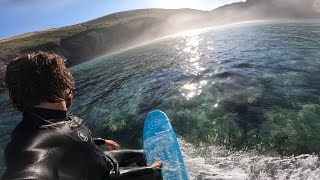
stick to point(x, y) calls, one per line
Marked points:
point(193, 42)
point(192, 50)
point(216, 105)
point(193, 89)
point(193, 65)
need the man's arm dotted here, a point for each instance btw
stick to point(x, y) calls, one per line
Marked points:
point(109, 144)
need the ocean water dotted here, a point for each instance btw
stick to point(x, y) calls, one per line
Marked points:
point(244, 99)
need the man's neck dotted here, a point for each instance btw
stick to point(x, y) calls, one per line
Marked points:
point(55, 106)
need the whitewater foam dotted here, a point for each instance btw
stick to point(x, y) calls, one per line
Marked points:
point(211, 162)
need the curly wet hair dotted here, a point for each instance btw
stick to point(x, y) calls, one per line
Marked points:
point(37, 77)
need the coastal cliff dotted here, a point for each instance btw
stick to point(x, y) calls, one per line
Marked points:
point(82, 42)
point(114, 32)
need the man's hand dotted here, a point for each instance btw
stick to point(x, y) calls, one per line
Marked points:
point(157, 164)
point(111, 145)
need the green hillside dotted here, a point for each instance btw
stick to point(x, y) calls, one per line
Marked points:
point(114, 32)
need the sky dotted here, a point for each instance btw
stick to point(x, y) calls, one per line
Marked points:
point(21, 16)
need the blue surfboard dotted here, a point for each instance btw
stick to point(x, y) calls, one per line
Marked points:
point(160, 144)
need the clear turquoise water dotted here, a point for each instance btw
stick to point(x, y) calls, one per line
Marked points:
point(240, 87)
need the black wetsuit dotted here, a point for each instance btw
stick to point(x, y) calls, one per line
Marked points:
point(48, 145)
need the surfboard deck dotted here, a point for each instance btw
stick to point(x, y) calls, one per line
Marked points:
point(160, 143)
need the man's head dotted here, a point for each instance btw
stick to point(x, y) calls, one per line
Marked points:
point(36, 78)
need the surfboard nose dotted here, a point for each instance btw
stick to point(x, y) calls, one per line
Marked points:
point(156, 114)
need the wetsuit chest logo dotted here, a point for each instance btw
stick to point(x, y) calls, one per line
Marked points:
point(82, 136)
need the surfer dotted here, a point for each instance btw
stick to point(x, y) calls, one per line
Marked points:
point(49, 143)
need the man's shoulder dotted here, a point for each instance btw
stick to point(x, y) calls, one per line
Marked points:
point(68, 133)
point(74, 120)
point(78, 131)
point(56, 134)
